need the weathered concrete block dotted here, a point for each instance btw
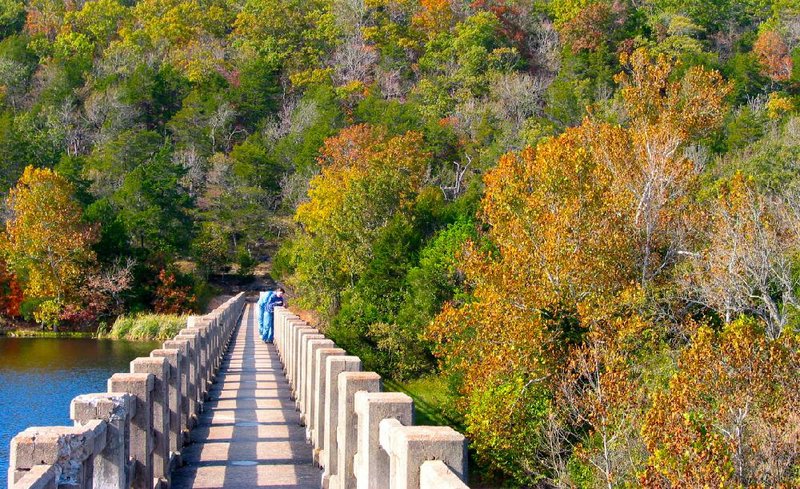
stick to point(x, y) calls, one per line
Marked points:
point(435, 474)
point(141, 426)
point(347, 434)
point(410, 446)
point(320, 370)
point(174, 397)
point(334, 366)
point(38, 477)
point(70, 449)
point(311, 376)
point(116, 410)
point(371, 461)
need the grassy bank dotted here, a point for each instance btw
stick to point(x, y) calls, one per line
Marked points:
point(32, 333)
point(146, 327)
point(433, 402)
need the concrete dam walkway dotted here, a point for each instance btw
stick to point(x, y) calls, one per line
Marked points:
point(249, 434)
point(215, 407)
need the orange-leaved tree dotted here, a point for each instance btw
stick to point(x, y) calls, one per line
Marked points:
point(730, 415)
point(579, 230)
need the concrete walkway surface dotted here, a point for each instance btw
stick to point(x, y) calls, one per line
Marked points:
point(249, 434)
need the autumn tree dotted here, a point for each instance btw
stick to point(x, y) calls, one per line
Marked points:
point(47, 243)
point(367, 179)
point(774, 55)
point(729, 416)
point(581, 228)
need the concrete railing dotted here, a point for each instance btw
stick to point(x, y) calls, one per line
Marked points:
point(132, 435)
point(362, 437)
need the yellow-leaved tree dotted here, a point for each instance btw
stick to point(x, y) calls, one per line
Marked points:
point(46, 243)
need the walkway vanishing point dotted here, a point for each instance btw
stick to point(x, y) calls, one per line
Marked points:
point(218, 408)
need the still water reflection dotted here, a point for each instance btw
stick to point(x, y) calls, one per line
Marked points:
point(40, 376)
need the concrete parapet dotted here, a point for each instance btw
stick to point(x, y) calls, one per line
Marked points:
point(409, 447)
point(128, 437)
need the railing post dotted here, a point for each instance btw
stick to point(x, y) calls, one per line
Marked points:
point(311, 378)
point(159, 368)
point(318, 413)
point(195, 375)
point(347, 434)
point(371, 461)
point(302, 373)
point(174, 399)
point(330, 447)
point(141, 427)
point(184, 347)
point(291, 337)
point(116, 410)
point(297, 359)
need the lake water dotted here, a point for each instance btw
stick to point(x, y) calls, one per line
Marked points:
point(40, 376)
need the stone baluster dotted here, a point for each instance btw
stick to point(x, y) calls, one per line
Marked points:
point(141, 426)
point(318, 413)
point(183, 347)
point(349, 384)
point(296, 359)
point(310, 383)
point(174, 401)
point(111, 468)
point(291, 335)
point(192, 362)
point(335, 365)
point(159, 368)
point(302, 372)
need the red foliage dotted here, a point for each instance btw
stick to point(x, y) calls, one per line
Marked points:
point(774, 55)
point(10, 292)
point(172, 298)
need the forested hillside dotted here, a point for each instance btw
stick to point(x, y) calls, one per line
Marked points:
point(583, 215)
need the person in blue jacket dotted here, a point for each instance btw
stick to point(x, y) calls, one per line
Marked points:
point(267, 303)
